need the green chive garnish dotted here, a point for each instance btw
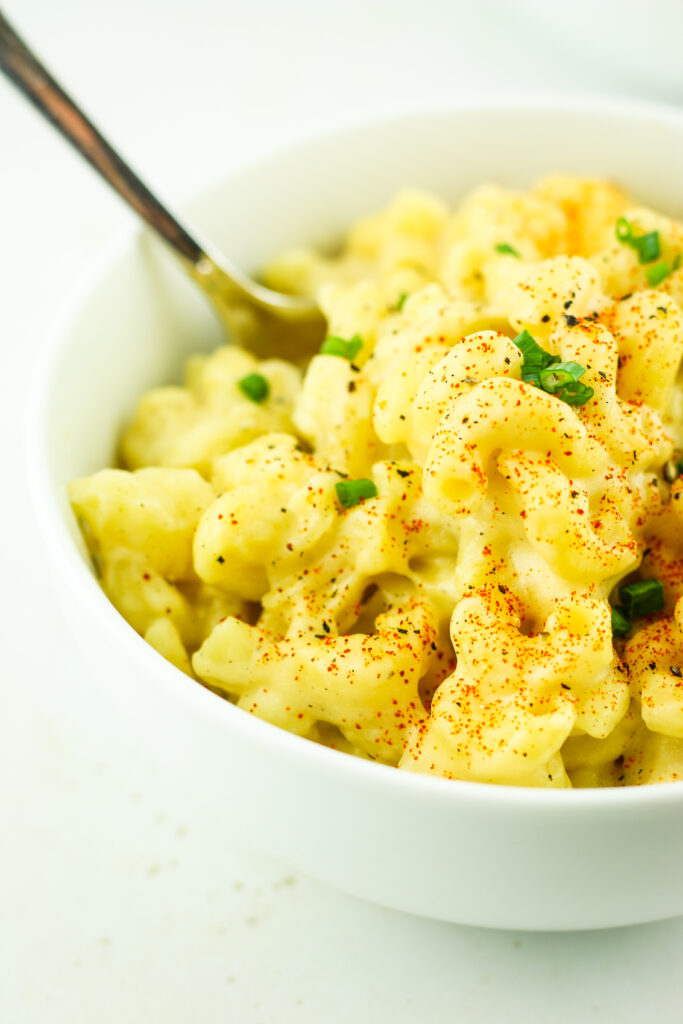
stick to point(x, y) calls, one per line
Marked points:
point(657, 273)
point(576, 393)
point(549, 373)
point(254, 386)
point(505, 249)
point(350, 492)
point(647, 246)
point(676, 263)
point(557, 375)
point(535, 358)
point(341, 347)
point(642, 598)
point(620, 624)
point(401, 301)
point(562, 380)
point(624, 231)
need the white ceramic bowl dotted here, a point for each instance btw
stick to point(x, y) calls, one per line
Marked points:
point(479, 854)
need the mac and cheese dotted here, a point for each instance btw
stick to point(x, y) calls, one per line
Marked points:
point(453, 542)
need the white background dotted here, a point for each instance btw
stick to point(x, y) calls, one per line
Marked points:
point(113, 907)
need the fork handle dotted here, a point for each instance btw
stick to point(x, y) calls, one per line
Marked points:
point(24, 69)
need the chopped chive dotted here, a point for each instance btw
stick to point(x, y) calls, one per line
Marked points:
point(401, 301)
point(562, 380)
point(676, 263)
point(620, 624)
point(549, 373)
point(254, 386)
point(557, 375)
point(341, 347)
point(552, 380)
point(350, 492)
point(505, 249)
point(576, 393)
point(535, 357)
point(647, 246)
point(642, 598)
point(657, 273)
point(624, 231)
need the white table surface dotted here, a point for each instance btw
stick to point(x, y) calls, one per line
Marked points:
point(113, 906)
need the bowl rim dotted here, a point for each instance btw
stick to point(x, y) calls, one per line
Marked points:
point(84, 589)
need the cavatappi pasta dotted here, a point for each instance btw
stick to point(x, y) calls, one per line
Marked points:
point(454, 541)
